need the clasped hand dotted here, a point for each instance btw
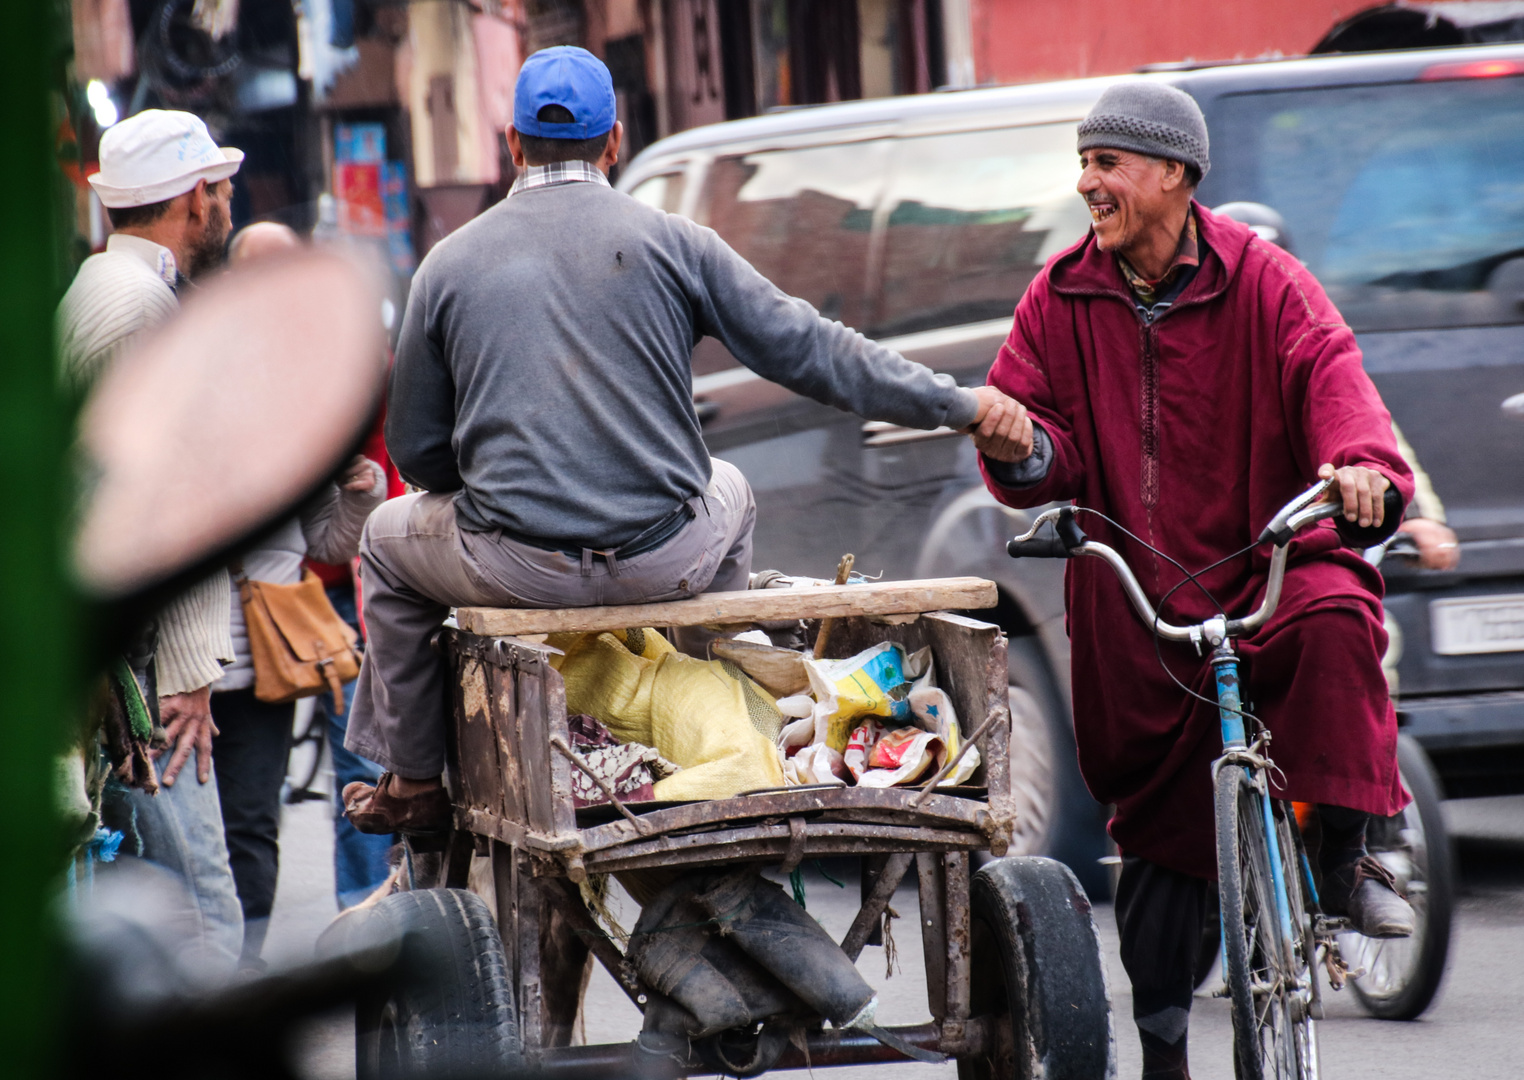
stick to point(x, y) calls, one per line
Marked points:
point(1001, 430)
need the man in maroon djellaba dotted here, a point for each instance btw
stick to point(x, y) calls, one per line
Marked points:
point(1186, 379)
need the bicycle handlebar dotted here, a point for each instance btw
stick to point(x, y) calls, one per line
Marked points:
point(1066, 540)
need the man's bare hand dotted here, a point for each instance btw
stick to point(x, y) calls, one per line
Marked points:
point(1002, 429)
point(359, 474)
point(1360, 490)
point(187, 720)
point(1437, 546)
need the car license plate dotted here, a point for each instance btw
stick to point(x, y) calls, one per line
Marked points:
point(1477, 624)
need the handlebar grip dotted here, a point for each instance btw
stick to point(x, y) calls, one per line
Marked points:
point(1046, 545)
point(1054, 541)
point(1360, 538)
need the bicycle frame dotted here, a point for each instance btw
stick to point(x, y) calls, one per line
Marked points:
point(1236, 749)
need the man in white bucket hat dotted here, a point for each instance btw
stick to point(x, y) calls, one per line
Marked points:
point(167, 189)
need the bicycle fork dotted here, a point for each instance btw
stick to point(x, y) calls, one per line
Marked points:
point(1235, 742)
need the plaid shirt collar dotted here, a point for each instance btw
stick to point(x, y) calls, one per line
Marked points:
point(1187, 254)
point(557, 172)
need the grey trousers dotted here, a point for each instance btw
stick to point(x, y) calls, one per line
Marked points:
point(416, 564)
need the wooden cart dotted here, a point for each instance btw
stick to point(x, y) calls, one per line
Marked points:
point(1014, 977)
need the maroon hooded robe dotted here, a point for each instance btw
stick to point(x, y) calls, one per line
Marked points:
point(1191, 432)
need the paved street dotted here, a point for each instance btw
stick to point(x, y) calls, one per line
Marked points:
point(1473, 1031)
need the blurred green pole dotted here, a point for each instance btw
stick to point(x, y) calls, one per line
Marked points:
point(37, 695)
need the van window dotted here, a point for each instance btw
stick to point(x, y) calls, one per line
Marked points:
point(972, 217)
point(665, 192)
point(802, 217)
point(1406, 201)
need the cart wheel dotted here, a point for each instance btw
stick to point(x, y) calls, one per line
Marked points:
point(453, 1012)
point(1402, 975)
point(1038, 973)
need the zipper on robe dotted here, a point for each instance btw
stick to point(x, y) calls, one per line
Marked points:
point(1150, 417)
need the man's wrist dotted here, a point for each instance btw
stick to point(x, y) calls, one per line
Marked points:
point(1030, 470)
point(964, 409)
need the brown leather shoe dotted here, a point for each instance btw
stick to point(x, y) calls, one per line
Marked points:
point(379, 812)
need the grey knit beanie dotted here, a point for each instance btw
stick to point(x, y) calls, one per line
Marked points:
point(1148, 117)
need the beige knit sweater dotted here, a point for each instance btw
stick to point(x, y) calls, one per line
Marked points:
point(117, 296)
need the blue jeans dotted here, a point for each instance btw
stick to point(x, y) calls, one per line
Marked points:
point(180, 828)
point(359, 860)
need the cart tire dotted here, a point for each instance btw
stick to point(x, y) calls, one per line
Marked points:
point(453, 1010)
point(1403, 974)
point(1038, 973)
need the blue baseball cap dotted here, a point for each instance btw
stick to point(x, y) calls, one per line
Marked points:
point(570, 77)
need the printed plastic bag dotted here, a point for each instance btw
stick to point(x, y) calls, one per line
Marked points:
point(933, 712)
point(903, 756)
point(815, 764)
point(877, 757)
point(875, 682)
point(859, 744)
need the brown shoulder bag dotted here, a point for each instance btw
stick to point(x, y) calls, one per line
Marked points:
point(299, 645)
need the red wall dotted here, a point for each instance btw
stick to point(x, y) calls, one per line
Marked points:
point(1035, 40)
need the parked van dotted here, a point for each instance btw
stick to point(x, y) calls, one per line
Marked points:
point(920, 221)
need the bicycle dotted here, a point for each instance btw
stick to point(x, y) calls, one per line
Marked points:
point(1275, 937)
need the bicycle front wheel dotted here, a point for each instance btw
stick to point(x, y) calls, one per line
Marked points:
point(1270, 978)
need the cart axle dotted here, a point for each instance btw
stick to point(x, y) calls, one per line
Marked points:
point(825, 1048)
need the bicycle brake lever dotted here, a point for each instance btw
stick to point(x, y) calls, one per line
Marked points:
point(1280, 528)
point(1064, 542)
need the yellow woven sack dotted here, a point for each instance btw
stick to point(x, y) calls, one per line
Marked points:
point(694, 712)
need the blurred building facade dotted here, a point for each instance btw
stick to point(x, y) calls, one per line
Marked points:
point(1038, 40)
point(384, 119)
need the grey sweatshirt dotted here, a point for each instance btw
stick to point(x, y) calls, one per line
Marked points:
point(543, 372)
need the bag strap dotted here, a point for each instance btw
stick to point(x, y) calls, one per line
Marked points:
point(330, 672)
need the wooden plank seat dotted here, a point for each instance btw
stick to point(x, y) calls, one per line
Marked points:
point(729, 608)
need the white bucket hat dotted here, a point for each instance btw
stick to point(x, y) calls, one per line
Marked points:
point(156, 155)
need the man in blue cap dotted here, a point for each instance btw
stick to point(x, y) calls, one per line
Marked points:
point(542, 397)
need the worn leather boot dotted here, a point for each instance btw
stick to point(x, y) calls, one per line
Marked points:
point(1366, 891)
point(1355, 883)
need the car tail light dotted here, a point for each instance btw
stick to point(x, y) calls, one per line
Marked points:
point(1473, 69)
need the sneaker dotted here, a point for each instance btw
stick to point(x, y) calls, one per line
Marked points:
point(1366, 892)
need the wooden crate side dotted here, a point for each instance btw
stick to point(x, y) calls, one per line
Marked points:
point(477, 766)
point(512, 683)
point(505, 718)
point(563, 810)
point(534, 746)
point(997, 748)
